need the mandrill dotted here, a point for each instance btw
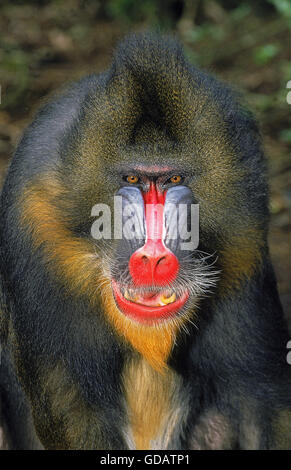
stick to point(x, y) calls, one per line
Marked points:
point(135, 336)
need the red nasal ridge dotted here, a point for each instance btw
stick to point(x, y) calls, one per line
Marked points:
point(154, 196)
point(153, 263)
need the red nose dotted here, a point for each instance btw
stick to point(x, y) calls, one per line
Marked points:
point(153, 264)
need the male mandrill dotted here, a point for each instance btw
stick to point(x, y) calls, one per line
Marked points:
point(138, 342)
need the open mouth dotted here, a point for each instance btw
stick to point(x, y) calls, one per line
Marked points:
point(148, 306)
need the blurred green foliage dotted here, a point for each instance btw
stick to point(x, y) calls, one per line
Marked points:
point(228, 36)
point(132, 10)
point(283, 7)
point(264, 54)
point(15, 72)
point(285, 135)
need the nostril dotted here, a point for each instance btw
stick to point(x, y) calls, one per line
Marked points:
point(161, 260)
point(166, 268)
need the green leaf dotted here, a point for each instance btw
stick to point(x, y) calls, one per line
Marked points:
point(264, 54)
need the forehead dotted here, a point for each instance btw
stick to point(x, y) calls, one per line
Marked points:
point(149, 164)
point(117, 136)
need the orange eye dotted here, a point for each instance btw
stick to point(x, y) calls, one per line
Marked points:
point(176, 179)
point(132, 179)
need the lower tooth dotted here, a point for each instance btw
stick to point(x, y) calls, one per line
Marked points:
point(126, 295)
point(168, 300)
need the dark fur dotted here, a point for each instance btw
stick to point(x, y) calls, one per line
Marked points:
point(235, 364)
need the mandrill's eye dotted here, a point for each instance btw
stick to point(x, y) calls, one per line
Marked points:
point(132, 179)
point(176, 179)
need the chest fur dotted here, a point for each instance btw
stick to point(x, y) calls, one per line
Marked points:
point(157, 406)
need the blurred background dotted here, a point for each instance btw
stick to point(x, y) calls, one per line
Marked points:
point(46, 44)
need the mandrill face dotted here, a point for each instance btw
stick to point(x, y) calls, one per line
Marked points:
point(155, 272)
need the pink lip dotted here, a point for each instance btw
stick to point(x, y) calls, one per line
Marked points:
point(147, 313)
